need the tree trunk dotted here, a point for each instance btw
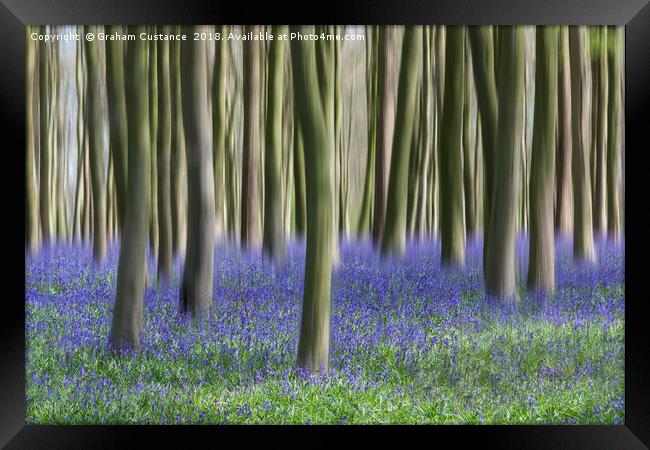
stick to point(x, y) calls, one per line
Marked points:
point(366, 213)
point(196, 289)
point(177, 154)
point(219, 131)
point(96, 148)
point(394, 236)
point(299, 176)
point(384, 128)
point(583, 240)
point(117, 116)
point(500, 245)
point(600, 199)
point(452, 221)
point(44, 148)
point(153, 134)
point(614, 134)
point(31, 120)
point(273, 220)
point(469, 158)
point(250, 209)
point(313, 346)
point(128, 314)
point(164, 161)
point(564, 199)
point(541, 269)
point(483, 65)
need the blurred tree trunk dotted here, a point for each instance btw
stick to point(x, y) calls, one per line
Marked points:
point(426, 131)
point(117, 115)
point(583, 241)
point(44, 148)
point(198, 273)
point(251, 224)
point(615, 40)
point(499, 261)
point(164, 161)
point(600, 199)
point(77, 212)
point(96, 147)
point(87, 231)
point(299, 176)
point(372, 76)
point(394, 236)
point(452, 223)
point(219, 130)
point(469, 158)
point(31, 120)
point(153, 134)
point(313, 346)
point(564, 199)
point(177, 154)
point(541, 270)
point(385, 123)
point(273, 220)
point(483, 64)
point(128, 314)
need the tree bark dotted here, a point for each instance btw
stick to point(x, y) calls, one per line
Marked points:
point(96, 148)
point(31, 120)
point(384, 128)
point(600, 199)
point(614, 133)
point(117, 116)
point(251, 224)
point(583, 241)
point(273, 220)
point(219, 131)
point(541, 269)
point(564, 199)
point(499, 265)
point(196, 289)
point(164, 161)
point(313, 346)
point(128, 314)
point(452, 221)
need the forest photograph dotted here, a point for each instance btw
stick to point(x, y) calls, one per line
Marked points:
point(369, 224)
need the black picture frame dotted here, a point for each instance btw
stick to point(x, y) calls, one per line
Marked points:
point(634, 14)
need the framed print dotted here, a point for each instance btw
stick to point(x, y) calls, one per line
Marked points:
point(415, 216)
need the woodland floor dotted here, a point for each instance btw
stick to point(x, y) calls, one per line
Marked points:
point(410, 343)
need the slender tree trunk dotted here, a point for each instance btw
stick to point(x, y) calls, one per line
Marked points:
point(273, 220)
point(177, 154)
point(44, 148)
point(366, 214)
point(452, 223)
point(153, 135)
point(164, 161)
point(299, 176)
point(128, 314)
point(251, 224)
point(469, 158)
point(564, 200)
point(583, 241)
point(541, 270)
point(31, 119)
point(614, 133)
point(483, 65)
point(117, 116)
point(196, 289)
point(219, 130)
point(500, 246)
point(313, 346)
point(394, 236)
point(96, 148)
point(385, 126)
point(600, 202)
